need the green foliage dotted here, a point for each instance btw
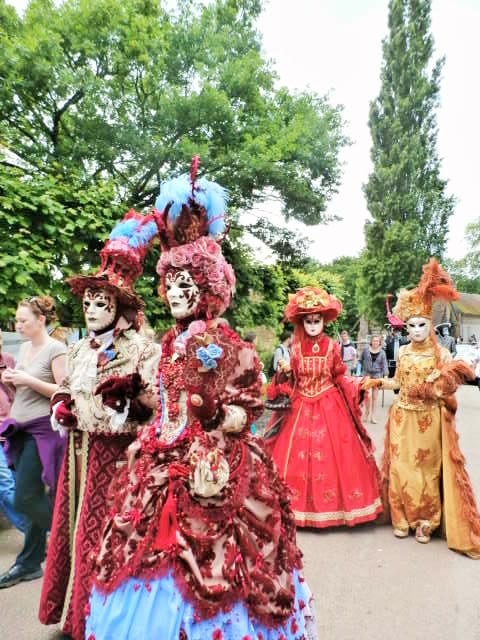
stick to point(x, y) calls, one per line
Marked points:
point(347, 268)
point(405, 195)
point(130, 89)
point(465, 271)
point(103, 99)
point(44, 219)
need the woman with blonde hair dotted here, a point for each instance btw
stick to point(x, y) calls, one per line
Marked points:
point(31, 446)
point(374, 365)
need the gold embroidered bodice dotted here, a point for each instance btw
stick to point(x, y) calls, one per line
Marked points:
point(415, 363)
point(313, 372)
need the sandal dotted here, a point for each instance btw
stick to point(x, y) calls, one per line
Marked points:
point(400, 533)
point(422, 533)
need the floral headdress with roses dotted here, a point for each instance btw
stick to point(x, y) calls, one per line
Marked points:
point(190, 216)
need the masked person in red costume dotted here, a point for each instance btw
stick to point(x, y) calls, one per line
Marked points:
point(108, 392)
point(322, 449)
point(200, 540)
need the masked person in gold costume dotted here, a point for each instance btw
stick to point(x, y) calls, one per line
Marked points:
point(424, 477)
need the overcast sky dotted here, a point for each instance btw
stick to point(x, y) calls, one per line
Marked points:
point(334, 46)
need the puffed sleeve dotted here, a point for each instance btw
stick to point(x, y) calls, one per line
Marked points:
point(231, 385)
point(338, 368)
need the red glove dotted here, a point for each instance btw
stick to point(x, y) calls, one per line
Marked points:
point(205, 409)
point(116, 389)
point(64, 415)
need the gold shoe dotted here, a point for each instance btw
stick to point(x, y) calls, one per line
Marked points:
point(422, 533)
point(400, 533)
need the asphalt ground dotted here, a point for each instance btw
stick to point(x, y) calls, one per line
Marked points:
point(367, 584)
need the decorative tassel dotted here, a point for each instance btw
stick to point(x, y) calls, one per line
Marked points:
point(166, 538)
point(193, 171)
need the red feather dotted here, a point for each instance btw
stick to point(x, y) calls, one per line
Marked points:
point(194, 170)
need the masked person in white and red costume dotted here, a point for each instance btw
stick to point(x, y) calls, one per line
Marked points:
point(108, 392)
point(200, 540)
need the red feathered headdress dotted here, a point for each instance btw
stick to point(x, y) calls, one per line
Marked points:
point(435, 284)
point(121, 260)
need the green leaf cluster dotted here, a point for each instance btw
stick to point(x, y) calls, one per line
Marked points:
point(101, 100)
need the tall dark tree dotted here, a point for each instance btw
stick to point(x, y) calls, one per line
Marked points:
point(405, 194)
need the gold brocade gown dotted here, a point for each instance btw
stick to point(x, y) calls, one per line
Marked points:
point(415, 445)
point(423, 468)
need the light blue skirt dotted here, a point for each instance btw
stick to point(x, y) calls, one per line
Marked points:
point(141, 610)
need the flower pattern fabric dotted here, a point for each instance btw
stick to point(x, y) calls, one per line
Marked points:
point(229, 547)
point(423, 469)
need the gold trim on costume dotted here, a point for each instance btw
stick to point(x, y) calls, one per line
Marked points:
point(290, 442)
point(337, 515)
point(74, 515)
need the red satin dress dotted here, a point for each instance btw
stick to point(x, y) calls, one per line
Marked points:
point(322, 450)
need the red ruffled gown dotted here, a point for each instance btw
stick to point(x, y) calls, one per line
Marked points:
point(322, 450)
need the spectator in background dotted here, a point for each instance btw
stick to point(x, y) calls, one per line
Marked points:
point(444, 338)
point(282, 352)
point(348, 352)
point(394, 341)
point(7, 479)
point(374, 365)
point(34, 449)
point(251, 337)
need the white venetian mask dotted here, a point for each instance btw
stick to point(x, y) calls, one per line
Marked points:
point(313, 324)
point(182, 293)
point(99, 308)
point(418, 329)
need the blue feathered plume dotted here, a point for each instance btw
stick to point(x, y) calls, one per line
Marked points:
point(210, 195)
point(138, 230)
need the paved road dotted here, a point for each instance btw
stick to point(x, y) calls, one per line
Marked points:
point(368, 584)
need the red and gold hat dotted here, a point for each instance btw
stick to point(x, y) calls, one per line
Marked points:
point(312, 300)
point(435, 284)
point(121, 260)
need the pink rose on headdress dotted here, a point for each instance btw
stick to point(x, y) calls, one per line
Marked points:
point(229, 274)
point(179, 256)
point(197, 259)
point(212, 248)
point(214, 273)
point(221, 289)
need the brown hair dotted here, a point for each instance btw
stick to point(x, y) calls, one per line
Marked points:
point(41, 306)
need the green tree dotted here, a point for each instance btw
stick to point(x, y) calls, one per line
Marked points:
point(347, 268)
point(123, 92)
point(405, 195)
point(465, 271)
